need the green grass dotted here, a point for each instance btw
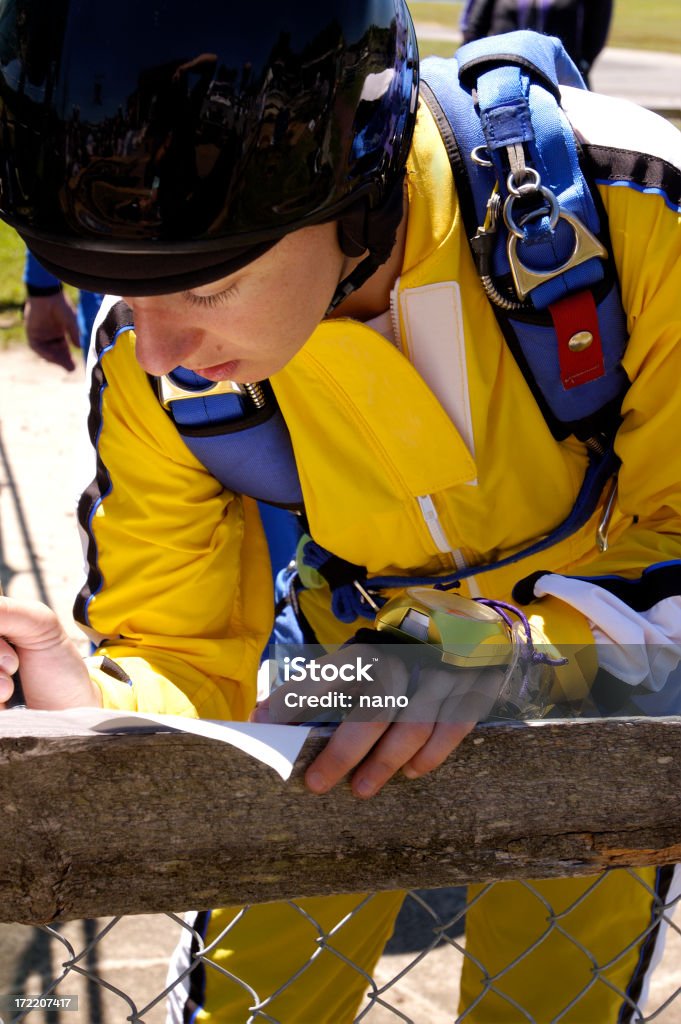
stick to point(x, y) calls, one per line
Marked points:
point(12, 254)
point(12, 292)
point(642, 26)
point(446, 13)
point(636, 25)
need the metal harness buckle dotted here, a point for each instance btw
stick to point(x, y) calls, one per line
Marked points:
point(524, 181)
point(524, 278)
point(170, 392)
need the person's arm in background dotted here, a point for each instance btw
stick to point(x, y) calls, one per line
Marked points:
point(50, 319)
point(476, 20)
point(596, 17)
point(465, 14)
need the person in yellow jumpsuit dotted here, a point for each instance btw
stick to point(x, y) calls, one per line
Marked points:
point(285, 213)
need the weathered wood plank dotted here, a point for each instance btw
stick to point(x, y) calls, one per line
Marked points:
point(97, 825)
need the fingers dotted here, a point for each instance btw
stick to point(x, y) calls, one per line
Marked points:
point(395, 748)
point(382, 750)
point(53, 673)
point(442, 741)
point(9, 663)
point(27, 624)
point(441, 707)
point(443, 710)
point(350, 743)
point(55, 350)
point(471, 700)
point(6, 687)
point(9, 660)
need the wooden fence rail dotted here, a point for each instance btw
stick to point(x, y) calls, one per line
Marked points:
point(98, 825)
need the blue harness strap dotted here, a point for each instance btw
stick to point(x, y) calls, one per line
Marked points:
point(354, 595)
point(239, 436)
point(515, 122)
point(536, 231)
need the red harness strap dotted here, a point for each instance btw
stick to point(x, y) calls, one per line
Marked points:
point(580, 350)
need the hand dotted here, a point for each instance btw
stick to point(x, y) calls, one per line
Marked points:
point(442, 709)
point(51, 326)
point(53, 674)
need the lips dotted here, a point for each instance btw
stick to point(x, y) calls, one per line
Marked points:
point(222, 371)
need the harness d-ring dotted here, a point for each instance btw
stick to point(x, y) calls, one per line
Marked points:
point(525, 279)
point(480, 156)
point(554, 208)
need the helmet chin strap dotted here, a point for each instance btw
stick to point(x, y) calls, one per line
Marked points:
point(362, 229)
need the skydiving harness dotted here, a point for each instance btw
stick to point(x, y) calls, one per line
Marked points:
point(539, 237)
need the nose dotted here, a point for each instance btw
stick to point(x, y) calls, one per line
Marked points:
point(163, 340)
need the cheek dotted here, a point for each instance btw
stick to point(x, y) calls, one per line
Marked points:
point(278, 325)
point(307, 301)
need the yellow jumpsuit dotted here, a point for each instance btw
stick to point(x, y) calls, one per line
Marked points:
point(179, 592)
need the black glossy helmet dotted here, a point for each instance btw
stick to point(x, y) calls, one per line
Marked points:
point(155, 145)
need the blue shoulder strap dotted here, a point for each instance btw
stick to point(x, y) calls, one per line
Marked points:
point(239, 434)
point(537, 231)
point(237, 431)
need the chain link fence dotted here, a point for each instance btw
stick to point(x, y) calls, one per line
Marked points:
point(105, 972)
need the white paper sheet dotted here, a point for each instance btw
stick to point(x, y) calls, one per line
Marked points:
point(274, 745)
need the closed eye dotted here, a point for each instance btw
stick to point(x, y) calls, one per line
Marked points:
point(211, 301)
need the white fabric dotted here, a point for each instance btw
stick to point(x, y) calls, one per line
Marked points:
point(178, 967)
point(670, 900)
point(636, 647)
point(433, 326)
point(383, 324)
point(620, 124)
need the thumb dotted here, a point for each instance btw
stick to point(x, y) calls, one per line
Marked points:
point(28, 624)
point(261, 712)
point(53, 673)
